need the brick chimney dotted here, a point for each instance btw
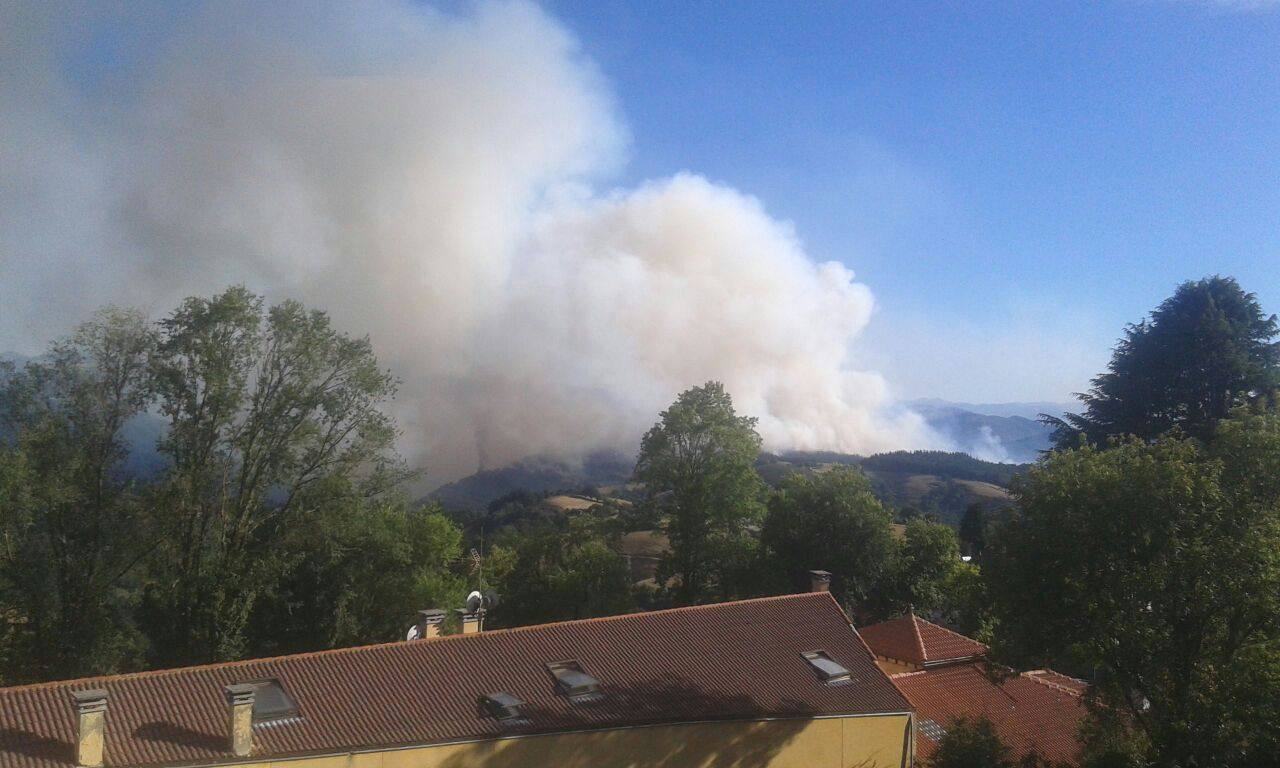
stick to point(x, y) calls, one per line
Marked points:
point(819, 581)
point(471, 622)
point(240, 718)
point(91, 730)
point(429, 622)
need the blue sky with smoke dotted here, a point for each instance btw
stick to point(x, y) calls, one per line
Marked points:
point(552, 219)
point(1014, 180)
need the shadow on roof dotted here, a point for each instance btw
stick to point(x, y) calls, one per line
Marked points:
point(756, 745)
point(35, 745)
point(177, 734)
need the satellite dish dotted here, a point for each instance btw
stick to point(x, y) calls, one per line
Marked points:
point(475, 601)
point(491, 600)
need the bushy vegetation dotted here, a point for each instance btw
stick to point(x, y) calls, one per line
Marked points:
point(267, 526)
point(1145, 553)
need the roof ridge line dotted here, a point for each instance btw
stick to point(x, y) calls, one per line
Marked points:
point(915, 629)
point(948, 631)
point(1035, 676)
point(146, 673)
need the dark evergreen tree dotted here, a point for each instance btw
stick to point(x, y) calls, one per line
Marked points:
point(1204, 351)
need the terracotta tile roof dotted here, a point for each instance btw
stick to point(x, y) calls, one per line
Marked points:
point(726, 661)
point(1028, 713)
point(1058, 680)
point(912, 639)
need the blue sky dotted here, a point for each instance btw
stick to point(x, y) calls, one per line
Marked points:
point(1014, 181)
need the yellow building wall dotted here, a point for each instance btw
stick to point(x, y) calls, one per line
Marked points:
point(893, 666)
point(853, 742)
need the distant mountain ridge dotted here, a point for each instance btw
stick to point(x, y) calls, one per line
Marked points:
point(1027, 410)
point(997, 438)
point(1008, 432)
point(929, 482)
point(536, 474)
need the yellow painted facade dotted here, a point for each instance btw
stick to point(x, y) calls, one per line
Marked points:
point(893, 666)
point(879, 741)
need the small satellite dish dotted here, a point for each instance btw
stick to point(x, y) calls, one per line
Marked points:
point(413, 633)
point(475, 601)
point(491, 600)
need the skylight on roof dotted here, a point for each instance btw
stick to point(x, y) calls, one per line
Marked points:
point(271, 702)
point(503, 705)
point(826, 667)
point(573, 682)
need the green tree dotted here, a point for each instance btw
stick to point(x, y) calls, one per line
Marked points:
point(830, 521)
point(556, 573)
point(921, 570)
point(262, 405)
point(1157, 566)
point(1204, 351)
point(971, 744)
point(72, 529)
point(358, 570)
point(698, 467)
point(963, 603)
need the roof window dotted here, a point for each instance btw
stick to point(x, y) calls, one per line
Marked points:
point(271, 702)
point(826, 667)
point(573, 682)
point(503, 706)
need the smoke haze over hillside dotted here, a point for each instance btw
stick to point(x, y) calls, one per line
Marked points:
point(431, 179)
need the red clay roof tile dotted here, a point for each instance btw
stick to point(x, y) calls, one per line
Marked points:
point(912, 639)
point(1028, 714)
point(726, 661)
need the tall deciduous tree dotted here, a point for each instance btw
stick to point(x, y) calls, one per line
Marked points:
point(1156, 566)
point(922, 569)
point(70, 523)
point(698, 467)
point(830, 521)
point(1204, 351)
point(262, 405)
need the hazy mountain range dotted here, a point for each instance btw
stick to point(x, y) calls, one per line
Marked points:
point(1003, 432)
point(1006, 433)
point(999, 437)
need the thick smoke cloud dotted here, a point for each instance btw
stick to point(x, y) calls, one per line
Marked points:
point(429, 178)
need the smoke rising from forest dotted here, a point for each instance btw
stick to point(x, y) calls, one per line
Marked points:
point(432, 179)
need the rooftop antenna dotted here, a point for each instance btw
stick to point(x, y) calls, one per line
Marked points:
point(481, 599)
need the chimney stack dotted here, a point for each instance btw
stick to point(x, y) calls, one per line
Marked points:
point(819, 581)
point(471, 622)
point(428, 625)
point(240, 717)
point(91, 707)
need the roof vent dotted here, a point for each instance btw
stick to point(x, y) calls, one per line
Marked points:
point(826, 667)
point(503, 706)
point(573, 682)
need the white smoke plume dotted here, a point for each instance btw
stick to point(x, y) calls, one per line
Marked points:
point(429, 178)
